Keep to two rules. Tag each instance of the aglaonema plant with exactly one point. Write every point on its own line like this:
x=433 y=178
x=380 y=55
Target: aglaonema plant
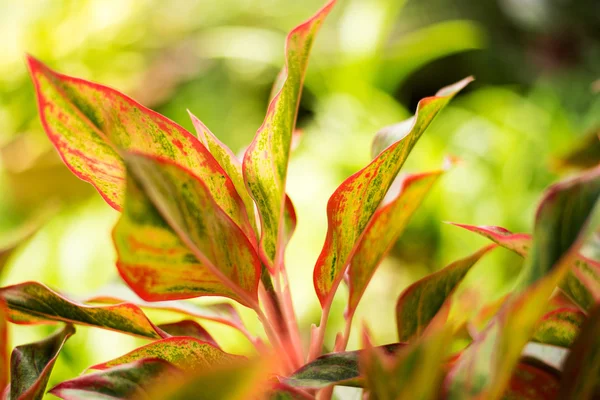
x=197 y=221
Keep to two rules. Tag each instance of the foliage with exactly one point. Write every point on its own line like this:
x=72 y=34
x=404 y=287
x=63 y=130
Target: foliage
x=197 y=221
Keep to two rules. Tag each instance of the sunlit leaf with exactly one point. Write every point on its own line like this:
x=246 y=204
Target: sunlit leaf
x=581 y=371
x=187 y=353
x=566 y=216
x=383 y=230
x=31 y=365
x=34 y=303
x=333 y=369
x=189 y=328
x=129 y=381
x=582 y=283
x=355 y=201
x=266 y=160
x=88 y=122
x=421 y=301
x=173 y=241
x=559 y=327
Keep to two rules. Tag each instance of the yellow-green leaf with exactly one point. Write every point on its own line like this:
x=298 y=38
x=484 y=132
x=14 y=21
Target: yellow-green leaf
x=174 y=241
x=354 y=202
x=188 y=328
x=559 y=327
x=189 y=354
x=266 y=160
x=383 y=230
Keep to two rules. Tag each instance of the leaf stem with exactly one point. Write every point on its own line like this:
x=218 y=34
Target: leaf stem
x=275 y=341
x=343 y=342
x=291 y=323
x=318 y=334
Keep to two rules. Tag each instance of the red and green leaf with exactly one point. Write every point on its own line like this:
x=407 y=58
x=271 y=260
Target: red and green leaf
x=581 y=370
x=533 y=380
x=582 y=283
x=188 y=328
x=384 y=228
x=333 y=369
x=187 y=353
x=4 y=350
x=34 y=303
x=559 y=327
x=89 y=123
x=173 y=241
x=567 y=215
x=421 y=301
x=130 y=381
x=266 y=160
x=354 y=202
x=31 y=365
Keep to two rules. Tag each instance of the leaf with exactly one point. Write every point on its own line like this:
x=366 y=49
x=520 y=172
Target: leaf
x=34 y=303
x=559 y=327
x=189 y=328
x=566 y=216
x=333 y=369
x=88 y=122
x=414 y=372
x=129 y=381
x=582 y=283
x=581 y=370
x=4 y=357
x=173 y=241
x=585 y=153
x=420 y=302
x=383 y=230
x=532 y=380
x=31 y=365
x=186 y=353
x=353 y=203
x=223 y=313
x=266 y=160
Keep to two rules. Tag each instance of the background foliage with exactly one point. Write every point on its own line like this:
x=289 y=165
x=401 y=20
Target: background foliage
x=536 y=96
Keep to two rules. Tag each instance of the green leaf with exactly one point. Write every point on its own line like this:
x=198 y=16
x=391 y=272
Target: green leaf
x=582 y=283
x=355 y=201
x=266 y=160
x=31 y=365
x=34 y=303
x=414 y=372
x=585 y=153
x=420 y=302
x=223 y=313
x=383 y=230
x=333 y=369
x=189 y=328
x=88 y=123
x=567 y=215
x=581 y=370
x=129 y=381
x=187 y=353
x=559 y=327
x=174 y=241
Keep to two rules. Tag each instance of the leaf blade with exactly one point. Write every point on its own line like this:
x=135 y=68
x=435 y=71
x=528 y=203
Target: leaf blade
x=266 y=160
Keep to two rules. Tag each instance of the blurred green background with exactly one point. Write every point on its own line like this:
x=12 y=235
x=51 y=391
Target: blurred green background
x=536 y=97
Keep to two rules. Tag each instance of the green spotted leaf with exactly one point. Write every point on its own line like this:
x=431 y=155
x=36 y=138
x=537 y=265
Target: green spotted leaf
x=383 y=230
x=266 y=160
x=566 y=216
x=34 y=303
x=582 y=283
x=187 y=353
x=188 y=328
x=559 y=327
x=174 y=241
x=129 y=381
x=89 y=123
x=31 y=365
x=354 y=202
x=420 y=302
x=581 y=370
